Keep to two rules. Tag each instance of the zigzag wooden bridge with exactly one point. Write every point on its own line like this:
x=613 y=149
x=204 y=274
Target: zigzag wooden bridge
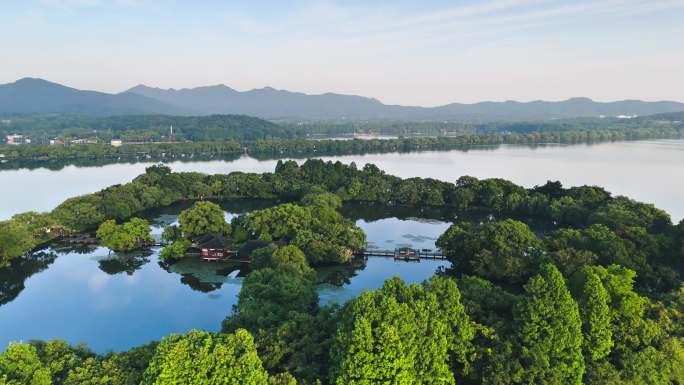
x=402 y=254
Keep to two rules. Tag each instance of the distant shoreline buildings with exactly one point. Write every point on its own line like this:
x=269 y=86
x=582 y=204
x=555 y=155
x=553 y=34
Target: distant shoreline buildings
x=16 y=139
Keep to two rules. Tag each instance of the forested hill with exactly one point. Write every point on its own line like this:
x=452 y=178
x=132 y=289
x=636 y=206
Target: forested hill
x=40 y=96
x=144 y=127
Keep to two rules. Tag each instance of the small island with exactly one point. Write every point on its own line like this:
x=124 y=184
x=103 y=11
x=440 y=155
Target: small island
x=546 y=284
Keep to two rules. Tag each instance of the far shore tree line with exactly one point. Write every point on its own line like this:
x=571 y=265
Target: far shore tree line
x=32 y=156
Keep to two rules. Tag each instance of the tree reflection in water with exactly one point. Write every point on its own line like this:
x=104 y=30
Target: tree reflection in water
x=206 y=276
x=13 y=277
x=125 y=262
x=340 y=275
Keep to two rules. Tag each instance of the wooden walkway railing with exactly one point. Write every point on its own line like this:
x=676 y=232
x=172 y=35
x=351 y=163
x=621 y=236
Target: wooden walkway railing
x=414 y=256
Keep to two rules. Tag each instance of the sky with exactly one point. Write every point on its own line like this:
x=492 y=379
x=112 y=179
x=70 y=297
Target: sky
x=428 y=52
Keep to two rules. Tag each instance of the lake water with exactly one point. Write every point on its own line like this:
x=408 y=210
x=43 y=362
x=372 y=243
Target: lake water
x=649 y=171
x=114 y=302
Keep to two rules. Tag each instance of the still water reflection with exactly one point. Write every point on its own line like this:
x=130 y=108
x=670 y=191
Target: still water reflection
x=114 y=302
x=648 y=171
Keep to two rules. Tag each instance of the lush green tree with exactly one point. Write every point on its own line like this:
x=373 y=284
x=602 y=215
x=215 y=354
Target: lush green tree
x=300 y=344
x=488 y=305
x=625 y=212
x=460 y=332
x=593 y=300
x=322 y=200
x=370 y=349
x=401 y=335
x=496 y=357
x=125 y=237
x=627 y=308
x=571 y=260
x=130 y=365
x=176 y=250
x=203 y=218
x=15 y=240
x=39 y=224
x=171 y=234
x=268 y=296
x=503 y=251
x=20 y=365
x=321 y=232
x=549 y=331
x=282 y=379
x=261 y=257
x=203 y=358
x=287 y=258
x=61 y=358
x=95 y=372
x=80 y=213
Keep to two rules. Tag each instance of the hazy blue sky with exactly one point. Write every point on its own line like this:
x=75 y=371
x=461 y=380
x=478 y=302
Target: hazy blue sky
x=408 y=52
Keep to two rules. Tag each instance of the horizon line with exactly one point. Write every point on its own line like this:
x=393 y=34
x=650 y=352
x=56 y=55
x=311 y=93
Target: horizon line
x=267 y=87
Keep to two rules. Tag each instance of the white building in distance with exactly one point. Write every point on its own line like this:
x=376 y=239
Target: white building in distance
x=16 y=139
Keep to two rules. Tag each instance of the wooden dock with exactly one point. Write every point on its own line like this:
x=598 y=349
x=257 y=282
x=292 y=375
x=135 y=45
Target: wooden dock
x=402 y=254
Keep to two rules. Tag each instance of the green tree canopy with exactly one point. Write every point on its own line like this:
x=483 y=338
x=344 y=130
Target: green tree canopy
x=593 y=300
x=176 y=250
x=203 y=218
x=15 y=240
x=503 y=251
x=267 y=297
x=288 y=258
x=320 y=231
x=20 y=365
x=549 y=329
x=125 y=237
x=201 y=358
x=171 y=233
x=401 y=335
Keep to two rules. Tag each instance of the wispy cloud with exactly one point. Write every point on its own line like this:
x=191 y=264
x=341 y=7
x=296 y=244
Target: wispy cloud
x=394 y=50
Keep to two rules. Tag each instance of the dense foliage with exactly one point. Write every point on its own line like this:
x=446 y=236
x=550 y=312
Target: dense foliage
x=549 y=285
x=589 y=224
x=143 y=127
x=128 y=236
x=201 y=358
x=278 y=303
x=402 y=335
x=15 y=240
x=203 y=218
x=549 y=331
x=316 y=227
x=55 y=362
x=175 y=250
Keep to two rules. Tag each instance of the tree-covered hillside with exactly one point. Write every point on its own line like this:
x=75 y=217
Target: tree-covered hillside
x=143 y=128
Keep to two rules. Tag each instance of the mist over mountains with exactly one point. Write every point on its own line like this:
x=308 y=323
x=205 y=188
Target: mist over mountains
x=30 y=95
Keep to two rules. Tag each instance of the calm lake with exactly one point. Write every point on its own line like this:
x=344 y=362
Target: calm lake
x=113 y=302
x=649 y=171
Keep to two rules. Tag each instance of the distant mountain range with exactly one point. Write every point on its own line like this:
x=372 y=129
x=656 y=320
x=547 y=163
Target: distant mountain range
x=31 y=95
